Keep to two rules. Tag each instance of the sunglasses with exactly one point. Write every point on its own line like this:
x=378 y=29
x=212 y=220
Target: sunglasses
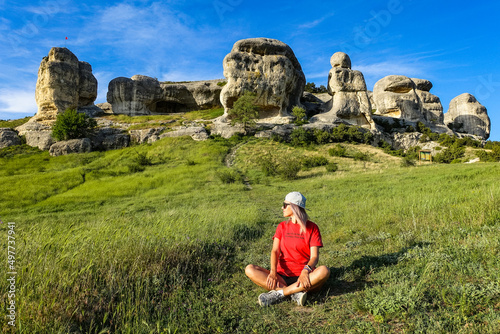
x=285 y=205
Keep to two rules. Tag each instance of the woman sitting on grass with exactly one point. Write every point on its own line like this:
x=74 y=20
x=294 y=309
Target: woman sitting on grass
x=293 y=258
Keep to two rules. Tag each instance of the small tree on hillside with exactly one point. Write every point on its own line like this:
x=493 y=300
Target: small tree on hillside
x=244 y=111
x=300 y=115
x=72 y=125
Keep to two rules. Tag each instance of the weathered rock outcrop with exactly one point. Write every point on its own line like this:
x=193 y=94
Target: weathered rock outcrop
x=398 y=96
x=36 y=134
x=268 y=68
x=395 y=96
x=70 y=146
x=467 y=115
x=143 y=95
x=8 y=137
x=63 y=82
x=350 y=102
x=431 y=106
x=196 y=132
x=143 y=136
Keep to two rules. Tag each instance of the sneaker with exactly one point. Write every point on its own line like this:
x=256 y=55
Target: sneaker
x=270 y=298
x=300 y=298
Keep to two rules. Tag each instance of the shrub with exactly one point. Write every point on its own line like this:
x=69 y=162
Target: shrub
x=268 y=165
x=301 y=137
x=407 y=162
x=322 y=136
x=142 y=159
x=244 y=111
x=338 y=151
x=453 y=153
x=310 y=162
x=360 y=156
x=300 y=115
x=228 y=176
x=72 y=125
x=332 y=167
x=289 y=169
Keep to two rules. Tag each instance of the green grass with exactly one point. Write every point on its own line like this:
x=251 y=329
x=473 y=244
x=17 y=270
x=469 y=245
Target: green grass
x=160 y=247
x=14 y=123
x=167 y=121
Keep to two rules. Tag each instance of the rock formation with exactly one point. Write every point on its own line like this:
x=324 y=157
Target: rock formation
x=70 y=146
x=268 y=68
x=143 y=95
x=395 y=96
x=8 y=137
x=398 y=96
x=350 y=102
x=467 y=115
x=63 y=82
x=431 y=106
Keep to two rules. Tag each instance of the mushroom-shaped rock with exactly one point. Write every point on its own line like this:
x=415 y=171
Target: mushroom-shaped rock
x=431 y=106
x=467 y=115
x=268 y=68
x=350 y=102
x=395 y=96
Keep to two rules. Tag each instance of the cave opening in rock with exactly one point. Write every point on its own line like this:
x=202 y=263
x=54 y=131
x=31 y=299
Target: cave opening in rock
x=168 y=107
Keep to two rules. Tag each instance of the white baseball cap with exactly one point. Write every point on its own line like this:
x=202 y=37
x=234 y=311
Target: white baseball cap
x=296 y=198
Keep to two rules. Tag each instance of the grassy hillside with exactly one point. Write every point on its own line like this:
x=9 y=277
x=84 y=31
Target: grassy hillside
x=152 y=239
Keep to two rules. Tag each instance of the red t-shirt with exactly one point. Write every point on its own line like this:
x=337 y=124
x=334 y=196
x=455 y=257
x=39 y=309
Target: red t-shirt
x=295 y=247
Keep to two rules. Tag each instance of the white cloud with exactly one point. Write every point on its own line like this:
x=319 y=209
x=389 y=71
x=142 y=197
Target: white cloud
x=18 y=101
x=312 y=24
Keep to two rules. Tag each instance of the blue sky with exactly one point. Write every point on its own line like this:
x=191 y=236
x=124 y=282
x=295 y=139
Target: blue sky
x=454 y=44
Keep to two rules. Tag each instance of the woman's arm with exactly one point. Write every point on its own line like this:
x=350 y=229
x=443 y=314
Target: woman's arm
x=313 y=261
x=272 y=278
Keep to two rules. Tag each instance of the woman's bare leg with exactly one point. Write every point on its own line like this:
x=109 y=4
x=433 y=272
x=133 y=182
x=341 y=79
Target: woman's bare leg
x=318 y=277
x=258 y=275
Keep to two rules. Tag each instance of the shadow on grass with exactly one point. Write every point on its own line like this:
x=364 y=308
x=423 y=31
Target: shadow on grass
x=359 y=273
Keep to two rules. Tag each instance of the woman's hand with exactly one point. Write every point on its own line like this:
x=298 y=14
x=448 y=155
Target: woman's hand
x=272 y=281
x=303 y=280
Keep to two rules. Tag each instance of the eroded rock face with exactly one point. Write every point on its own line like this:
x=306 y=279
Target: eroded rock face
x=467 y=115
x=8 y=137
x=268 y=68
x=70 y=146
x=431 y=106
x=63 y=82
x=133 y=96
x=350 y=102
x=143 y=95
x=395 y=96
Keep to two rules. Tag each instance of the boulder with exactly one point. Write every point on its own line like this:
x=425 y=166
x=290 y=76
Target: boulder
x=9 y=137
x=431 y=106
x=268 y=68
x=146 y=135
x=196 y=132
x=104 y=139
x=467 y=115
x=142 y=95
x=70 y=146
x=36 y=134
x=133 y=96
x=350 y=102
x=395 y=96
x=63 y=82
